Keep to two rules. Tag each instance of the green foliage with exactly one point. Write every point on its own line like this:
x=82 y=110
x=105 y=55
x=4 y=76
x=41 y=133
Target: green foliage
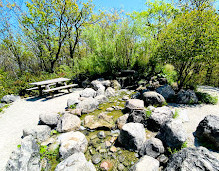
x=19 y=146
x=51 y=155
x=169 y=73
x=54 y=132
x=148 y=113
x=206 y=98
x=73 y=106
x=176 y=114
x=175 y=150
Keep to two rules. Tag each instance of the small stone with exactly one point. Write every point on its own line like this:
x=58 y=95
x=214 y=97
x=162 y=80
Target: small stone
x=136 y=155
x=106 y=165
x=101 y=134
x=125 y=98
x=113 y=156
x=120 y=167
x=102 y=151
x=162 y=159
x=104 y=155
x=108 y=144
x=119 y=152
x=92 y=151
x=113 y=149
x=102 y=145
x=113 y=139
x=96 y=158
x=76 y=111
x=126 y=163
x=110 y=109
x=93 y=137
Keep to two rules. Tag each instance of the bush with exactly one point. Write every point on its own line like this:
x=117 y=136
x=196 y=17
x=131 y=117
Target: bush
x=206 y=98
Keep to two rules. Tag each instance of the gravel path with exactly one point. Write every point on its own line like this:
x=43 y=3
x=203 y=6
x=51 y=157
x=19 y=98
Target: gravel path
x=196 y=113
x=25 y=114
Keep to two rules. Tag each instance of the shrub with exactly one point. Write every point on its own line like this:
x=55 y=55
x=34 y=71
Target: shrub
x=206 y=98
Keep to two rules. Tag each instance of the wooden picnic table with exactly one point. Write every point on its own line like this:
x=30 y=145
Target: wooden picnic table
x=44 y=86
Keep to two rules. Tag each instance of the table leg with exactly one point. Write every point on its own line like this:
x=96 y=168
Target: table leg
x=40 y=90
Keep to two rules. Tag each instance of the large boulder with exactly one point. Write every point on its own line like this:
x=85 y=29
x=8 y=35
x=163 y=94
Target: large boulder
x=167 y=92
x=186 y=97
x=68 y=123
x=146 y=163
x=72 y=101
x=101 y=121
x=153 y=98
x=158 y=117
x=122 y=120
x=50 y=119
x=88 y=92
x=208 y=130
x=72 y=142
x=101 y=99
x=76 y=162
x=100 y=89
x=132 y=136
x=10 y=98
x=88 y=105
x=134 y=104
x=152 y=147
x=27 y=157
x=138 y=116
x=110 y=92
x=172 y=134
x=197 y=159
x=40 y=132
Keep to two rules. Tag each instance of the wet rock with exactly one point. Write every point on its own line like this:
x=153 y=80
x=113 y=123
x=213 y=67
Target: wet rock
x=134 y=104
x=88 y=105
x=132 y=136
x=137 y=116
x=167 y=92
x=40 y=132
x=88 y=92
x=101 y=99
x=146 y=163
x=50 y=119
x=96 y=158
x=122 y=121
x=152 y=147
x=101 y=135
x=110 y=92
x=198 y=159
x=71 y=143
x=208 y=130
x=158 y=117
x=68 y=122
x=153 y=98
x=26 y=157
x=77 y=161
x=100 y=121
x=186 y=97
x=10 y=98
x=172 y=134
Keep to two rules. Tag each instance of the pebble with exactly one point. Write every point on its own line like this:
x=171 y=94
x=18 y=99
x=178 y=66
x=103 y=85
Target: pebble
x=113 y=149
x=108 y=144
x=96 y=158
x=110 y=109
x=120 y=167
x=106 y=165
x=121 y=158
x=101 y=134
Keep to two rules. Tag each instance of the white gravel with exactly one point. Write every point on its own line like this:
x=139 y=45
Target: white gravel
x=25 y=114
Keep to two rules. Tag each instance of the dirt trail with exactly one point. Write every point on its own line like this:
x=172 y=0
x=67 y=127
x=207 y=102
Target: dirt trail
x=25 y=114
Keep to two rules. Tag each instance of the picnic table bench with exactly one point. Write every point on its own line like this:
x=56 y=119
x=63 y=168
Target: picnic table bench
x=44 y=86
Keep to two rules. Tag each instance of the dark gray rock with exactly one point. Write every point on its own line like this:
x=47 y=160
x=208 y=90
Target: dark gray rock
x=208 y=130
x=167 y=92
x=186 y=97
x=152 y=147
x=40 y=132
x=50 y=119
x=172 y=134
x=132 y=136
x=136 y=95
x=96 y=158
x=88 y=105
x=88 y=92
x=137 y=116
x=158 y=117
x=197 y=159
x=146 y=163
x=10 y=98
x=75 y=162
x=27 y=157
x=153 y=98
